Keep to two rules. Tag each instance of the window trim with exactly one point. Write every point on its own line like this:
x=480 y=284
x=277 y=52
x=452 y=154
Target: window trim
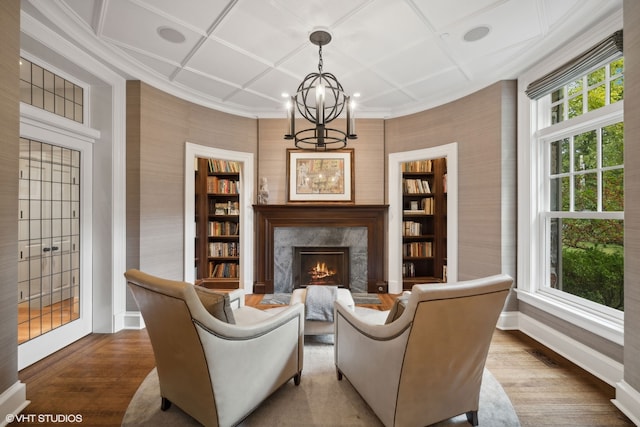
x=531 y=167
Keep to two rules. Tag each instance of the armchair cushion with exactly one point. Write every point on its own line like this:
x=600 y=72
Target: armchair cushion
x=217 y=304
x=398 y=308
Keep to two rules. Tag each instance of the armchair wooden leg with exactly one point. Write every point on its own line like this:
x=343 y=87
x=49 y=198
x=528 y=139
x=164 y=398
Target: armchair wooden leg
x=296 y=378
x=472 y=417
x=165 y=404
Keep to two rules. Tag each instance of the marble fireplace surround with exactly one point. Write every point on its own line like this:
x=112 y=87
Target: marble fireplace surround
x=356 y=223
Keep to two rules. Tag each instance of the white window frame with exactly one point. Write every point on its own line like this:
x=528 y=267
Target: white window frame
x=532 y=173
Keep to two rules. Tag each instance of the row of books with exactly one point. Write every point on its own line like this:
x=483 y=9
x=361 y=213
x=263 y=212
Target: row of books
x=408 y=269
x=223 y=249
x=226 y=228
x=217 y=165
x=417 y=249
x=415 y=186
x=411 y=228
x=223 y=269
x=224 y=208
x=418 y=166
x=425 y=206
x=217 y=185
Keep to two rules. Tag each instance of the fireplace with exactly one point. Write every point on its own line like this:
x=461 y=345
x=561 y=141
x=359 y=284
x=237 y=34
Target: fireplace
x=315 y=218
x=327 y=266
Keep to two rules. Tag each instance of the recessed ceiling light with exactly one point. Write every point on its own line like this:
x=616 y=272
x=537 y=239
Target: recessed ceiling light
x=476 y=33
x=171 y=34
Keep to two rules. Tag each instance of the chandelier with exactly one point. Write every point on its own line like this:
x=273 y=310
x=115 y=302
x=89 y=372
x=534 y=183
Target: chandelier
x=320 y=99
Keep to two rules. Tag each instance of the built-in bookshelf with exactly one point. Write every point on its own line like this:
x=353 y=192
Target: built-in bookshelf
x=217 y=223
x=424 y=222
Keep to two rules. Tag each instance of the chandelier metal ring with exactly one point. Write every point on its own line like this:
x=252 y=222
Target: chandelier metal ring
x=320 y=99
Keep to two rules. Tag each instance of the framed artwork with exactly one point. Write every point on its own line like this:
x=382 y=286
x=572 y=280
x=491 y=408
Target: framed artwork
x=320 y=176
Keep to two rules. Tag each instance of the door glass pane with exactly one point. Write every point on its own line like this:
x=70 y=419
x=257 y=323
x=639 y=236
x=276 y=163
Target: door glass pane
x=48 y=238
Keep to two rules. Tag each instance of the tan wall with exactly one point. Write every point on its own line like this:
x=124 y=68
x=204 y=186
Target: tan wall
x=156 y=166
x=369 y=171
x=9 y=137
x=483 y=125
x=632 y=193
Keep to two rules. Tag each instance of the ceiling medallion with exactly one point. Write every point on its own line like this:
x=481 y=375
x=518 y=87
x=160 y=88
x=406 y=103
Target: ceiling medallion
x=320 y=99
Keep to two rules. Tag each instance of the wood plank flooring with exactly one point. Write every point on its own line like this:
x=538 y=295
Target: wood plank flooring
x=97 y=376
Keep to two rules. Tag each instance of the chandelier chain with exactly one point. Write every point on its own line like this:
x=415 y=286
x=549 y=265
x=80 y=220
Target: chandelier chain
x=320 y=59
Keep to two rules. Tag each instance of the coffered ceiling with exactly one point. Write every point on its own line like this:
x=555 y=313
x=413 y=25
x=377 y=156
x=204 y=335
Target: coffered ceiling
x=239 y=56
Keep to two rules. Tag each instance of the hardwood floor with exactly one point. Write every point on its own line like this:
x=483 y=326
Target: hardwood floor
x=97 y=376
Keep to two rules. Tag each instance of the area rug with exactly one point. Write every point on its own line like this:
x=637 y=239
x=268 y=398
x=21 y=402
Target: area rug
x=365 y=298
x=276 y=299
x=319 y=400
x=284 y=298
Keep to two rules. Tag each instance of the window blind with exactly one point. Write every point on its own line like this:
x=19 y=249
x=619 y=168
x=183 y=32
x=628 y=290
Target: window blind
x=605 y=51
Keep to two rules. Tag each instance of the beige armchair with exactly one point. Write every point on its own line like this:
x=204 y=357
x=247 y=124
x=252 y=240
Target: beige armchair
x=215 y=363
x=426 y=364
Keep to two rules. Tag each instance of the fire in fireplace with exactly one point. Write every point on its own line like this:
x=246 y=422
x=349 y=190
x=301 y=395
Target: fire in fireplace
x=320 y=266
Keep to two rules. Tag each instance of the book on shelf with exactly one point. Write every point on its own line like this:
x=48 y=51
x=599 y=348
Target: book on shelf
x=411 y=228
x=226 y=228
x=418 y=166
x=224 y=208
x=222 y=270
x=417 y=249
x=223 y=166
x=427 y=206
x=223 y=249
x=217 y=185
x=408 y=269
x=415 y=186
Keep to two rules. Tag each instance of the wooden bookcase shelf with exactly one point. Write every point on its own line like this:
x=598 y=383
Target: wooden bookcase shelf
x=217 y=220
x=424 y=222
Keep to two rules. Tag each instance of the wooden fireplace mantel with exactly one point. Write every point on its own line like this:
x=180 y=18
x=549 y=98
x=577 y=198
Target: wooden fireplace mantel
x=270 y=217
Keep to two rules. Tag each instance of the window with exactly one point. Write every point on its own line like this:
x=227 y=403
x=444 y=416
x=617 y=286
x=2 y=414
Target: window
x=43 y=89
x=580 y=136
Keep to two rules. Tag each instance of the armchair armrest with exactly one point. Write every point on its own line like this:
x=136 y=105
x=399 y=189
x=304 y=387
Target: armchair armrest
x=359 y=346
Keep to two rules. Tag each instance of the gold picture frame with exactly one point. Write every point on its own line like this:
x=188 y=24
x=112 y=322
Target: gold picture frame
x=320 y=176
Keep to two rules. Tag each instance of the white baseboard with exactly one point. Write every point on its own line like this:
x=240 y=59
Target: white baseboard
x=132 y=320
x=628 y=401
x=508 y=321
x=12 y=401
x=603 y=367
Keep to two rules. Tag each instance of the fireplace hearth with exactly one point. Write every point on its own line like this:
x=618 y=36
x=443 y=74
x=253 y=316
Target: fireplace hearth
x=328 y=266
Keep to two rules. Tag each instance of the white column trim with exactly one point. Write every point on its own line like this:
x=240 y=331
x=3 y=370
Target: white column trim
x=246 y=209
x=450 y=151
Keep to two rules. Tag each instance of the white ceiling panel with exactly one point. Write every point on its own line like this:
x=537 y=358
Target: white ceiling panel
x=441 y=14
x=275 y=83
x=129 y=25
x=156 y=65
x=258 y=27
x=401 y=55
x=259 y=103
x=318 y=13
x=504 y=33
x=84 y=9
x=196 y=14
x=427 y=58
x=217 y=59
x=379 y=30
x=206 y=85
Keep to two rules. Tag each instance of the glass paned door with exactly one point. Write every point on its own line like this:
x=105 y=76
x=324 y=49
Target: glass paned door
x=48 y=238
